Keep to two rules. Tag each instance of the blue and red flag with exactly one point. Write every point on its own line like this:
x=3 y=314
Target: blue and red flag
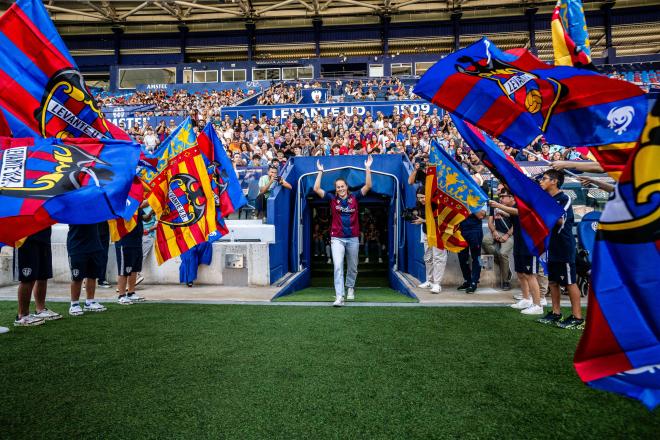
x=42 y=92
x=620 y=348
x=229 y=195
x=537 y=211
x=570 y=39
x=517 y=97
x=46 y=181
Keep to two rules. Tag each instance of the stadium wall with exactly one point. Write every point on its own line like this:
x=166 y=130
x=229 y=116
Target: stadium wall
x=97 y=53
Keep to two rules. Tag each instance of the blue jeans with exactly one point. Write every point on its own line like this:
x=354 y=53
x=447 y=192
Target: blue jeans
x=349 y=247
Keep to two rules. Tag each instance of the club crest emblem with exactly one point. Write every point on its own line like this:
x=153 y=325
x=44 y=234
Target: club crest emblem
x=539 y=96
x=186 y=202
x=27 y=271
x=68 y=109
x=75 y=272
x=62 y=168
x=129 y=269
x=316 y=95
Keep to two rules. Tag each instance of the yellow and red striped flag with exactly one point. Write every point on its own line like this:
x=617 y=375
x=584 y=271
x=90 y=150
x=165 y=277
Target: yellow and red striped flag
x=451 y=196
x=181 y=196
x=120 y=227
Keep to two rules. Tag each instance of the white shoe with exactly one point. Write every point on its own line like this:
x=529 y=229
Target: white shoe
x=518 y=296
x=135 y=298
x=435 y=288
x=366 y=260
x=76 y=310
x=94 y=307
x=522 y=304
x=124 y=301
x=350 y=294
x=425 y=285
x=380 y=260
x=3 y=330
x=329 y=260
x=28 y=321
x=338 y=302
x=532 y=310
x=139 y=279
x=48 y=315
x=544 y=302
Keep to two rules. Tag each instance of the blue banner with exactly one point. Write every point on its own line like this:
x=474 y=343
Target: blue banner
x=311 y=110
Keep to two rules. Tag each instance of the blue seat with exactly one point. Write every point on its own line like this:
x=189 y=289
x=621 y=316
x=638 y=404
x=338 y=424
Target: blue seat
x=586 y=231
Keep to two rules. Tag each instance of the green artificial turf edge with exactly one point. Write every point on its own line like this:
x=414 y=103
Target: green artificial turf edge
x=153 y=371
x=326 y=294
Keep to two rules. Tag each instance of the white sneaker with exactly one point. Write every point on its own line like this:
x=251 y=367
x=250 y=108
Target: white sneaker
x=329 y=260
x=124 y=301
x=139 y=279
x=532 y=310
x=76 y=310
x=425 y=285
x=28 y=321
x=380 y=260
x=3 y=330
x=350 y=294
x=135 y=298
x=48 y=315
x=338 y=302
x=518 y=296
x=522 y=304
x=544 y=302
x=94 y=307
x=435 y=288
x=366 y=260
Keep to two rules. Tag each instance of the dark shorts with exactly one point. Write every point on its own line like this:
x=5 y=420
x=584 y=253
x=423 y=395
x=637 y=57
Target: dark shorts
x=129 y=259
x=561 y=273
x=88 y=265
x=33 y=261
x=526 y=264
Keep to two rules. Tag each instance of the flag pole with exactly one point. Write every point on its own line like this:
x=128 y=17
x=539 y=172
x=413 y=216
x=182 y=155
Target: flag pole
x=547 y=162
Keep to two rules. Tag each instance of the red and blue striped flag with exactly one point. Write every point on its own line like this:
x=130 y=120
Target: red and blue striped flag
x=620 y=348
x=46 y=181
x=517 y=97
x=42 y=92
x=538 y=212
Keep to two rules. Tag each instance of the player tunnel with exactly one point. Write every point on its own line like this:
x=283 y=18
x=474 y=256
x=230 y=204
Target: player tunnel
x=298 y=260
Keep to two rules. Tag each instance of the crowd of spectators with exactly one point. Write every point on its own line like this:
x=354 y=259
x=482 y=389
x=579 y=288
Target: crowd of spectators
x=258 y=142
x=279 y=94
x=179 y=103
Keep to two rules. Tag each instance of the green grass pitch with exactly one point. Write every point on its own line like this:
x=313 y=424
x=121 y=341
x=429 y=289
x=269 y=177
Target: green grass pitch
x=156 y=371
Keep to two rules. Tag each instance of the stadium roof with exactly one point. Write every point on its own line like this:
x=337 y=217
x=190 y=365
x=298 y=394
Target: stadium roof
x=76 y=17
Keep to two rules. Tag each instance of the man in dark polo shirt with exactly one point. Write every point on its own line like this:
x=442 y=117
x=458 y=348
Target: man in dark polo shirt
x=83 y=244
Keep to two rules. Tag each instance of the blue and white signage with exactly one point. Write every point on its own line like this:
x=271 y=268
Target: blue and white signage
x=312 y=110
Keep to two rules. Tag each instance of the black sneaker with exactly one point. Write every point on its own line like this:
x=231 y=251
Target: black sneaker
x=506 y=286
x=471 y=288
x=571 y=323
x=550 y=318
x=464 y=286
x=104 y=284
